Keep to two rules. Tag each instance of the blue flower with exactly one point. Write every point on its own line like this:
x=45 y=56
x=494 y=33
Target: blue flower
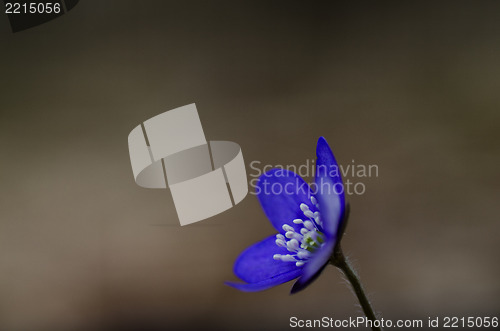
x=309 y=220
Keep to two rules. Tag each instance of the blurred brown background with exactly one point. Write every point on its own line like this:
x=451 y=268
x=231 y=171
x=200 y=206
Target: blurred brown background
x=413 y=88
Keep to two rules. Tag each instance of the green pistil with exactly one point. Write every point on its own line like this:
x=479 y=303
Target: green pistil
x=312 y=245
x=320 y=237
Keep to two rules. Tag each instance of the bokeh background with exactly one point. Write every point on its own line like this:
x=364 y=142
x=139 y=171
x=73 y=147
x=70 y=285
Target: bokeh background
x=410 y=87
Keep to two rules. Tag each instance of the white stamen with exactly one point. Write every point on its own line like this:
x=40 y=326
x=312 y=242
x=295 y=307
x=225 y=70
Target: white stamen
x=280 y=243
x=309 y=213
x=287 y=258
x=301 y=240
x=292 y=245
x=292 y=235
x=309 y=225
x=303 y=254
x=317 y=218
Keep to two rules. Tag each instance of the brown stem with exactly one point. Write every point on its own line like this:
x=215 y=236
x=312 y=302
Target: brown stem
x=338 y=259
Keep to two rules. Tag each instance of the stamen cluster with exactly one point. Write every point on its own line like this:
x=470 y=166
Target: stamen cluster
x=306 y=240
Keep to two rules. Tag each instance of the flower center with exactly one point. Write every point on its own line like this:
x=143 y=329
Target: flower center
x=302 y=243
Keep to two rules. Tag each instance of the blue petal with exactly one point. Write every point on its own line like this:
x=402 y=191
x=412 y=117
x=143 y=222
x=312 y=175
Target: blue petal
x=329 y=189
x=256 y=264
x=315 y=266
x=280 y=193
x=267 y=283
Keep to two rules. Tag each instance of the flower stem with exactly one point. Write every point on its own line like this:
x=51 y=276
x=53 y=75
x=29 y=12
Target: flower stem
x=339 y=260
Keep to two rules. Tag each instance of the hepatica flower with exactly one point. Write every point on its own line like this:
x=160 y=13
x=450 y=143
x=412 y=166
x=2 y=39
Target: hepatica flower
x=309 y=221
